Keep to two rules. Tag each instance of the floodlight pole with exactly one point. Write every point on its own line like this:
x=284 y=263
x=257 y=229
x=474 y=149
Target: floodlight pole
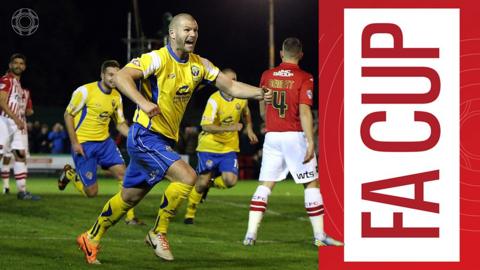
x=129 y=36
x=271 y=40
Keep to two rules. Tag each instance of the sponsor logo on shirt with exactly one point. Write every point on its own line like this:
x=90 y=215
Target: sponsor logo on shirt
x=283 y=73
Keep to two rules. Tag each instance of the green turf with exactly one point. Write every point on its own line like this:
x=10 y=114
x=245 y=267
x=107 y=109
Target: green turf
x=41 y=235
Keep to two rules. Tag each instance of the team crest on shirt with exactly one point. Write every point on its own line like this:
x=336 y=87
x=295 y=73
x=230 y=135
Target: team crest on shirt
x=2 y=85
x=209 y=163
x=237 y=106
x=309 y=94
x=168 y=148
x=195 y=71
x=89 y=175
x=113 y=103
x=171 y=76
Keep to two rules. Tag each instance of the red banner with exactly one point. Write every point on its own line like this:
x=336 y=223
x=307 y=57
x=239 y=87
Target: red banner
x=399 y=140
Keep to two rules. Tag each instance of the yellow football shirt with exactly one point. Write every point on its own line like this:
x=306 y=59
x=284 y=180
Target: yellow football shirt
x=92 y=109
x=170 y=82
x=221 y=112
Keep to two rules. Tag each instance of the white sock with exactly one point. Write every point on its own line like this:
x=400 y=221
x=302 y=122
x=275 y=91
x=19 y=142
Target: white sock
x=314 y=207
x=6 y=175
x=258 y=206
x=20 y=170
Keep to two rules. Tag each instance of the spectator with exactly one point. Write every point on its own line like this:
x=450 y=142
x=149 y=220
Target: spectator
x=41 y=140
x=57 y=138
x=246 y=158
x=32 y=136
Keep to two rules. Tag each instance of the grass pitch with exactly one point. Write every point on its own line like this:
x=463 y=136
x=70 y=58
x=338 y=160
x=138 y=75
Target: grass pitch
x=41 y=235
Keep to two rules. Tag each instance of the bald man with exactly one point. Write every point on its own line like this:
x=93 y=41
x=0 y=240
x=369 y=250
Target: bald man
x=168 y=78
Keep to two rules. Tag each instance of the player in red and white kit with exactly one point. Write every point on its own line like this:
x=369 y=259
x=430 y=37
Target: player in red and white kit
x=15 y=105
x=289 y=142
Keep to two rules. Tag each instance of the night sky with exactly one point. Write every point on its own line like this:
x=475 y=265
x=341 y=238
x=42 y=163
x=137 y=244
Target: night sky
x=75 y=37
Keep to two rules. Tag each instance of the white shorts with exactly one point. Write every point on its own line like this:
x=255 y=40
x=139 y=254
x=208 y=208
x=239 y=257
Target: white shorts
x=11 y=137
x=284 y=152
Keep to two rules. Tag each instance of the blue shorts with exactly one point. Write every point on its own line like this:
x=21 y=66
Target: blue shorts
x=217 y=163
x=103 y=153
x=151 y=155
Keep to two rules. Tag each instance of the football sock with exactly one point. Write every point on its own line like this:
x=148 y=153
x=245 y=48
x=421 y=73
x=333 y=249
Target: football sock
x=74 y=178
x=258 y=206
x=130 y=213
x=218 y=183
x=314 y=207
x=6 y=175
x=193 y=200
x=112 y=212
x=174 y=195
x=20 y=170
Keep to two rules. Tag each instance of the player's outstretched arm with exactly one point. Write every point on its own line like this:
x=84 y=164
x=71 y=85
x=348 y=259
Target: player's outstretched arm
x=125 y=83
x=307 y=125
x=241 y=90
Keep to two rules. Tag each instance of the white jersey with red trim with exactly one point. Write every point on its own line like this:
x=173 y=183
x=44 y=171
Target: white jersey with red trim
x=18 y=98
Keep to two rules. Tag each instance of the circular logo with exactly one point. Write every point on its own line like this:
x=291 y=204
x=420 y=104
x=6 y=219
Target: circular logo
x=25 y=22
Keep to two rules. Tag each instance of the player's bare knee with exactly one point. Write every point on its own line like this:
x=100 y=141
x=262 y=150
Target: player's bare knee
x=90 y=193
x=190 y=178
x=132 y=196
x=313 y=184
x=230 y=180
x=19 y=155
x=200 y=188
x=202 y=181
x=120 y=176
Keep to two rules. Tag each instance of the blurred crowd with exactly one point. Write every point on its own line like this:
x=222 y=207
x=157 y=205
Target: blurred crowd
x=44 y=139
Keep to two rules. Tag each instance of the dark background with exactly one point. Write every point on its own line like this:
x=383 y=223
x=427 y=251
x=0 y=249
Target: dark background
x=75 y=37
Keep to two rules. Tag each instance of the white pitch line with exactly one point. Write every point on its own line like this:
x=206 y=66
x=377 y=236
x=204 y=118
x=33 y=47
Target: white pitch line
x=244 y=206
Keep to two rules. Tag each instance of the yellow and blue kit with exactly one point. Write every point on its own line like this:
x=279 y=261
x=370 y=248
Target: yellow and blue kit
x=168 y=82
x=93 y=107
x=217 y=151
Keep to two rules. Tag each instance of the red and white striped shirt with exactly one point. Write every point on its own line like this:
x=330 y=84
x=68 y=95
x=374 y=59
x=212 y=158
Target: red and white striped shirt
x=18 y=98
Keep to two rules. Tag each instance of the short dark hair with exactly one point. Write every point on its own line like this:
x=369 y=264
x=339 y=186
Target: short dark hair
x=225 y=70
x=109 y=63
x=18 y=55
x=292 y=46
